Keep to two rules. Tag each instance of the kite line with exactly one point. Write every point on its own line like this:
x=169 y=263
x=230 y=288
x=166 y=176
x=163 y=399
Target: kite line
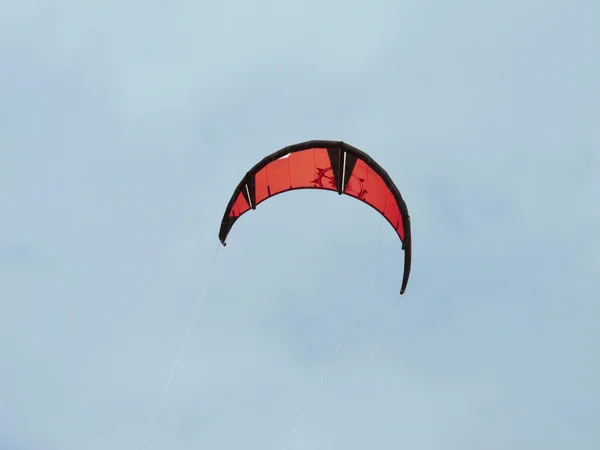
x=339 y=345
x=182 y=348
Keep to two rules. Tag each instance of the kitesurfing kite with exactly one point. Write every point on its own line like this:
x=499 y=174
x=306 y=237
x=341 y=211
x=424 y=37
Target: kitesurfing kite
x=327 y=165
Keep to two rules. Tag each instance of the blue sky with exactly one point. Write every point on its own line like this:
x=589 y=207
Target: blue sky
x=125 y=127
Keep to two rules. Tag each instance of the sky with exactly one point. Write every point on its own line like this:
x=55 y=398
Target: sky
x=126 y=125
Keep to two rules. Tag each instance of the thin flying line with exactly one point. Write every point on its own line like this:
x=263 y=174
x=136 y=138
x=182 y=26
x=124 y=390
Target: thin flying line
x=324 y=374
x=337 y=349
x=181 y=350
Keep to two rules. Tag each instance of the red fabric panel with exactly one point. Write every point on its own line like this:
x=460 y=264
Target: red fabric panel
x=311 y=168
x=239 y=207
x=304 y=169
x=366 y=185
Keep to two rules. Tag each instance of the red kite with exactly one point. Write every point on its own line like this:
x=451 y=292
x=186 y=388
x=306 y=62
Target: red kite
x=326 y=165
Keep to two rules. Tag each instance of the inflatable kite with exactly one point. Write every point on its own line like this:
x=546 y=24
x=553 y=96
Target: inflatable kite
x=326 y=165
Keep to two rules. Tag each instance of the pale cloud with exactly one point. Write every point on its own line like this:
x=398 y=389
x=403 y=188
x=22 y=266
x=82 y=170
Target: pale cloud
x=126 y=126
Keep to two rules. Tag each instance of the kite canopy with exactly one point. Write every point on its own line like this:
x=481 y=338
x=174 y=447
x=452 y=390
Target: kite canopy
x=327 y=165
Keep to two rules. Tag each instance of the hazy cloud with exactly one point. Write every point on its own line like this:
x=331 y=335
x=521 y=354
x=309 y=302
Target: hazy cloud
x=125 y=127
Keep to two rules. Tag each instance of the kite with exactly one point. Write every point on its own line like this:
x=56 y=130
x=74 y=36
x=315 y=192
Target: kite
x=327 y=165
